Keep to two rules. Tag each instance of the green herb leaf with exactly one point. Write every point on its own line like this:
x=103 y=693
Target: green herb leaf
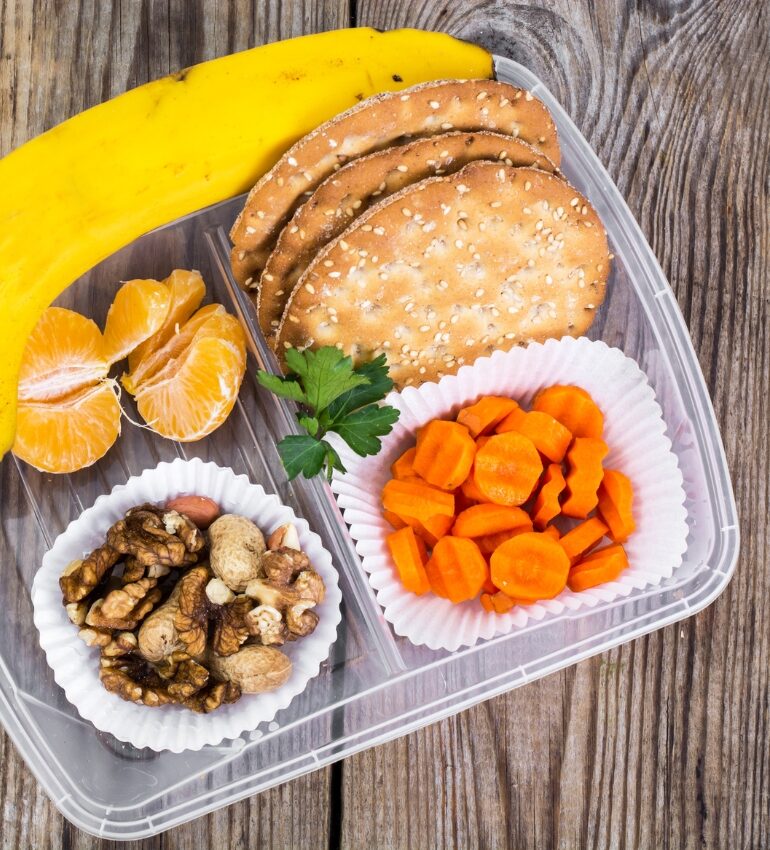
x=362 y=428
x=325 y=374
x=302 y=454
x=333 y=396
x=309 y=423
x=284 y=387
x=378 y=387
x=333 y=461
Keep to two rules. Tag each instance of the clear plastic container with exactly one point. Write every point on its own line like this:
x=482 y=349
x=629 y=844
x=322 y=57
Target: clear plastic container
x=375 y=686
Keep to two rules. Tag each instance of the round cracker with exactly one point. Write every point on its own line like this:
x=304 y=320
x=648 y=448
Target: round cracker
x=452 y=268
x=375 y=123
x=349 y=192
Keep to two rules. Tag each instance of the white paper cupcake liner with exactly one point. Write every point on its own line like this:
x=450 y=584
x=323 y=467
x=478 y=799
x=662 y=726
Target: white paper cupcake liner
x=634 y=431
x=76 y=666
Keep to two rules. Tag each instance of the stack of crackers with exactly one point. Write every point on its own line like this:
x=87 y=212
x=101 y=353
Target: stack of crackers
x=431 y=224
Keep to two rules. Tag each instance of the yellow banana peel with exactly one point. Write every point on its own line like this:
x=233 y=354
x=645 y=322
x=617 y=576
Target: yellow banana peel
x=76 y=194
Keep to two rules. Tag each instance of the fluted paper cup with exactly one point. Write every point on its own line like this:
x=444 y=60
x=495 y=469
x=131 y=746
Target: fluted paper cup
x=638 y=446
x=76 y=666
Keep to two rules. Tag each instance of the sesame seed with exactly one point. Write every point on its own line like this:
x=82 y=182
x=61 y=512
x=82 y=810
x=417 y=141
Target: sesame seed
x=293 y=228
x=293 y=318
x=268 y=277
x=504 y=102
x=527 y=211
x=357 y=204
x=443 y=154
x=479 y=293
x=481 y=95
x=527 y=185
x=328 y=263
x=510 y=335
x=260 y=214
x=530 y=262
x=454 y=319
x=251 y=230
x=406 y=211
x=496 y=204
x=458 y=243
x=280 y=292
x=421 y=370
x=334 y=274
x=434 y=104
x=528 y=96
x=584 y=210
x=539 y=224
x=548 y=279
x=461 y=224
x=279 y=181
x=292 y=161
x=334 y=319
x=344 y=245
x=402 y=168
x=441 y=325
x=409 y=306
x=424 y=328
x=379 y=231
x=447 y=126
x=366 y=228
x=404 y=97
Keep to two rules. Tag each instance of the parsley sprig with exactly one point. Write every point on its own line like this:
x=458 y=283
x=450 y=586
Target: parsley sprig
x=334 y=396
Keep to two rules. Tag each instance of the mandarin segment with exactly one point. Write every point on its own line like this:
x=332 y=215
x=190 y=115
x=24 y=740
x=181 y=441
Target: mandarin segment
x=187 y=290
x=64 y=353
x=192 y=400
x=71 y=433
x=138 y=311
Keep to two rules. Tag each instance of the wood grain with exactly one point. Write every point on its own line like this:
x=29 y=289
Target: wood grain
x=662 y=743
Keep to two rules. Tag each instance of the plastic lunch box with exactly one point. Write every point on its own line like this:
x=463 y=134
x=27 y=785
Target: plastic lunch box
x=375 y=686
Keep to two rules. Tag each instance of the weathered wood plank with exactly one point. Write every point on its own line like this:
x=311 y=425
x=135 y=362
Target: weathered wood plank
x=661 y=743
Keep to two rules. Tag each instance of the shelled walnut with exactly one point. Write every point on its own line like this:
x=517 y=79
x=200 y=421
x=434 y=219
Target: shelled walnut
x=164 y=601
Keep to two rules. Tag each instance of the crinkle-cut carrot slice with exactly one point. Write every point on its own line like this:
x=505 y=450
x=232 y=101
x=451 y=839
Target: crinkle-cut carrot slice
x=409 y=499
x=582 y=538
x=552 y=531
x=584 y=477
x=616 y=498
x=529 y=567
x=573 y=407
x=456 y=569
x=402 y=467
x=599 y=567
x=489 y=542
x=410 y=556
x=546 y=505
x=498 y=602
x=429 y=532
x=550 y=437
x=445 y=452
x=483 y=416
x=480 y=520
x=507 y=468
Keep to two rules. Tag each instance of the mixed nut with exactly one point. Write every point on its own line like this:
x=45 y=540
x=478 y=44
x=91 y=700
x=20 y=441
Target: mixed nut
x=190 y=607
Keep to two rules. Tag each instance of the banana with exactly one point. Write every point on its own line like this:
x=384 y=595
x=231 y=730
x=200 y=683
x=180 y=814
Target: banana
x=94 y=183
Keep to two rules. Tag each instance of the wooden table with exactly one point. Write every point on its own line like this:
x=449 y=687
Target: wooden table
x=664 y=742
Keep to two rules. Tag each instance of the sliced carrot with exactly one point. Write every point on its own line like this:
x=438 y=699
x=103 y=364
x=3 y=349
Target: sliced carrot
x=511 y=421
x=429 y=532
x=471 y=491
x=616 y=497
x=480 y=520
x=583 y=538
x=489 y=542
x=552 y=531
x=584 y=477
x=498 y=602
x=599 y=567
x=573 y=407
x=402 y=468
x=481 y=417
x=530 y=567
x=394 y=520
x=409 y=499
x=445 y=452
x=550 y=437
x=456 y=569
x=433 y=529
x=546 y=505
x=409 y=556
x=507 y=468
